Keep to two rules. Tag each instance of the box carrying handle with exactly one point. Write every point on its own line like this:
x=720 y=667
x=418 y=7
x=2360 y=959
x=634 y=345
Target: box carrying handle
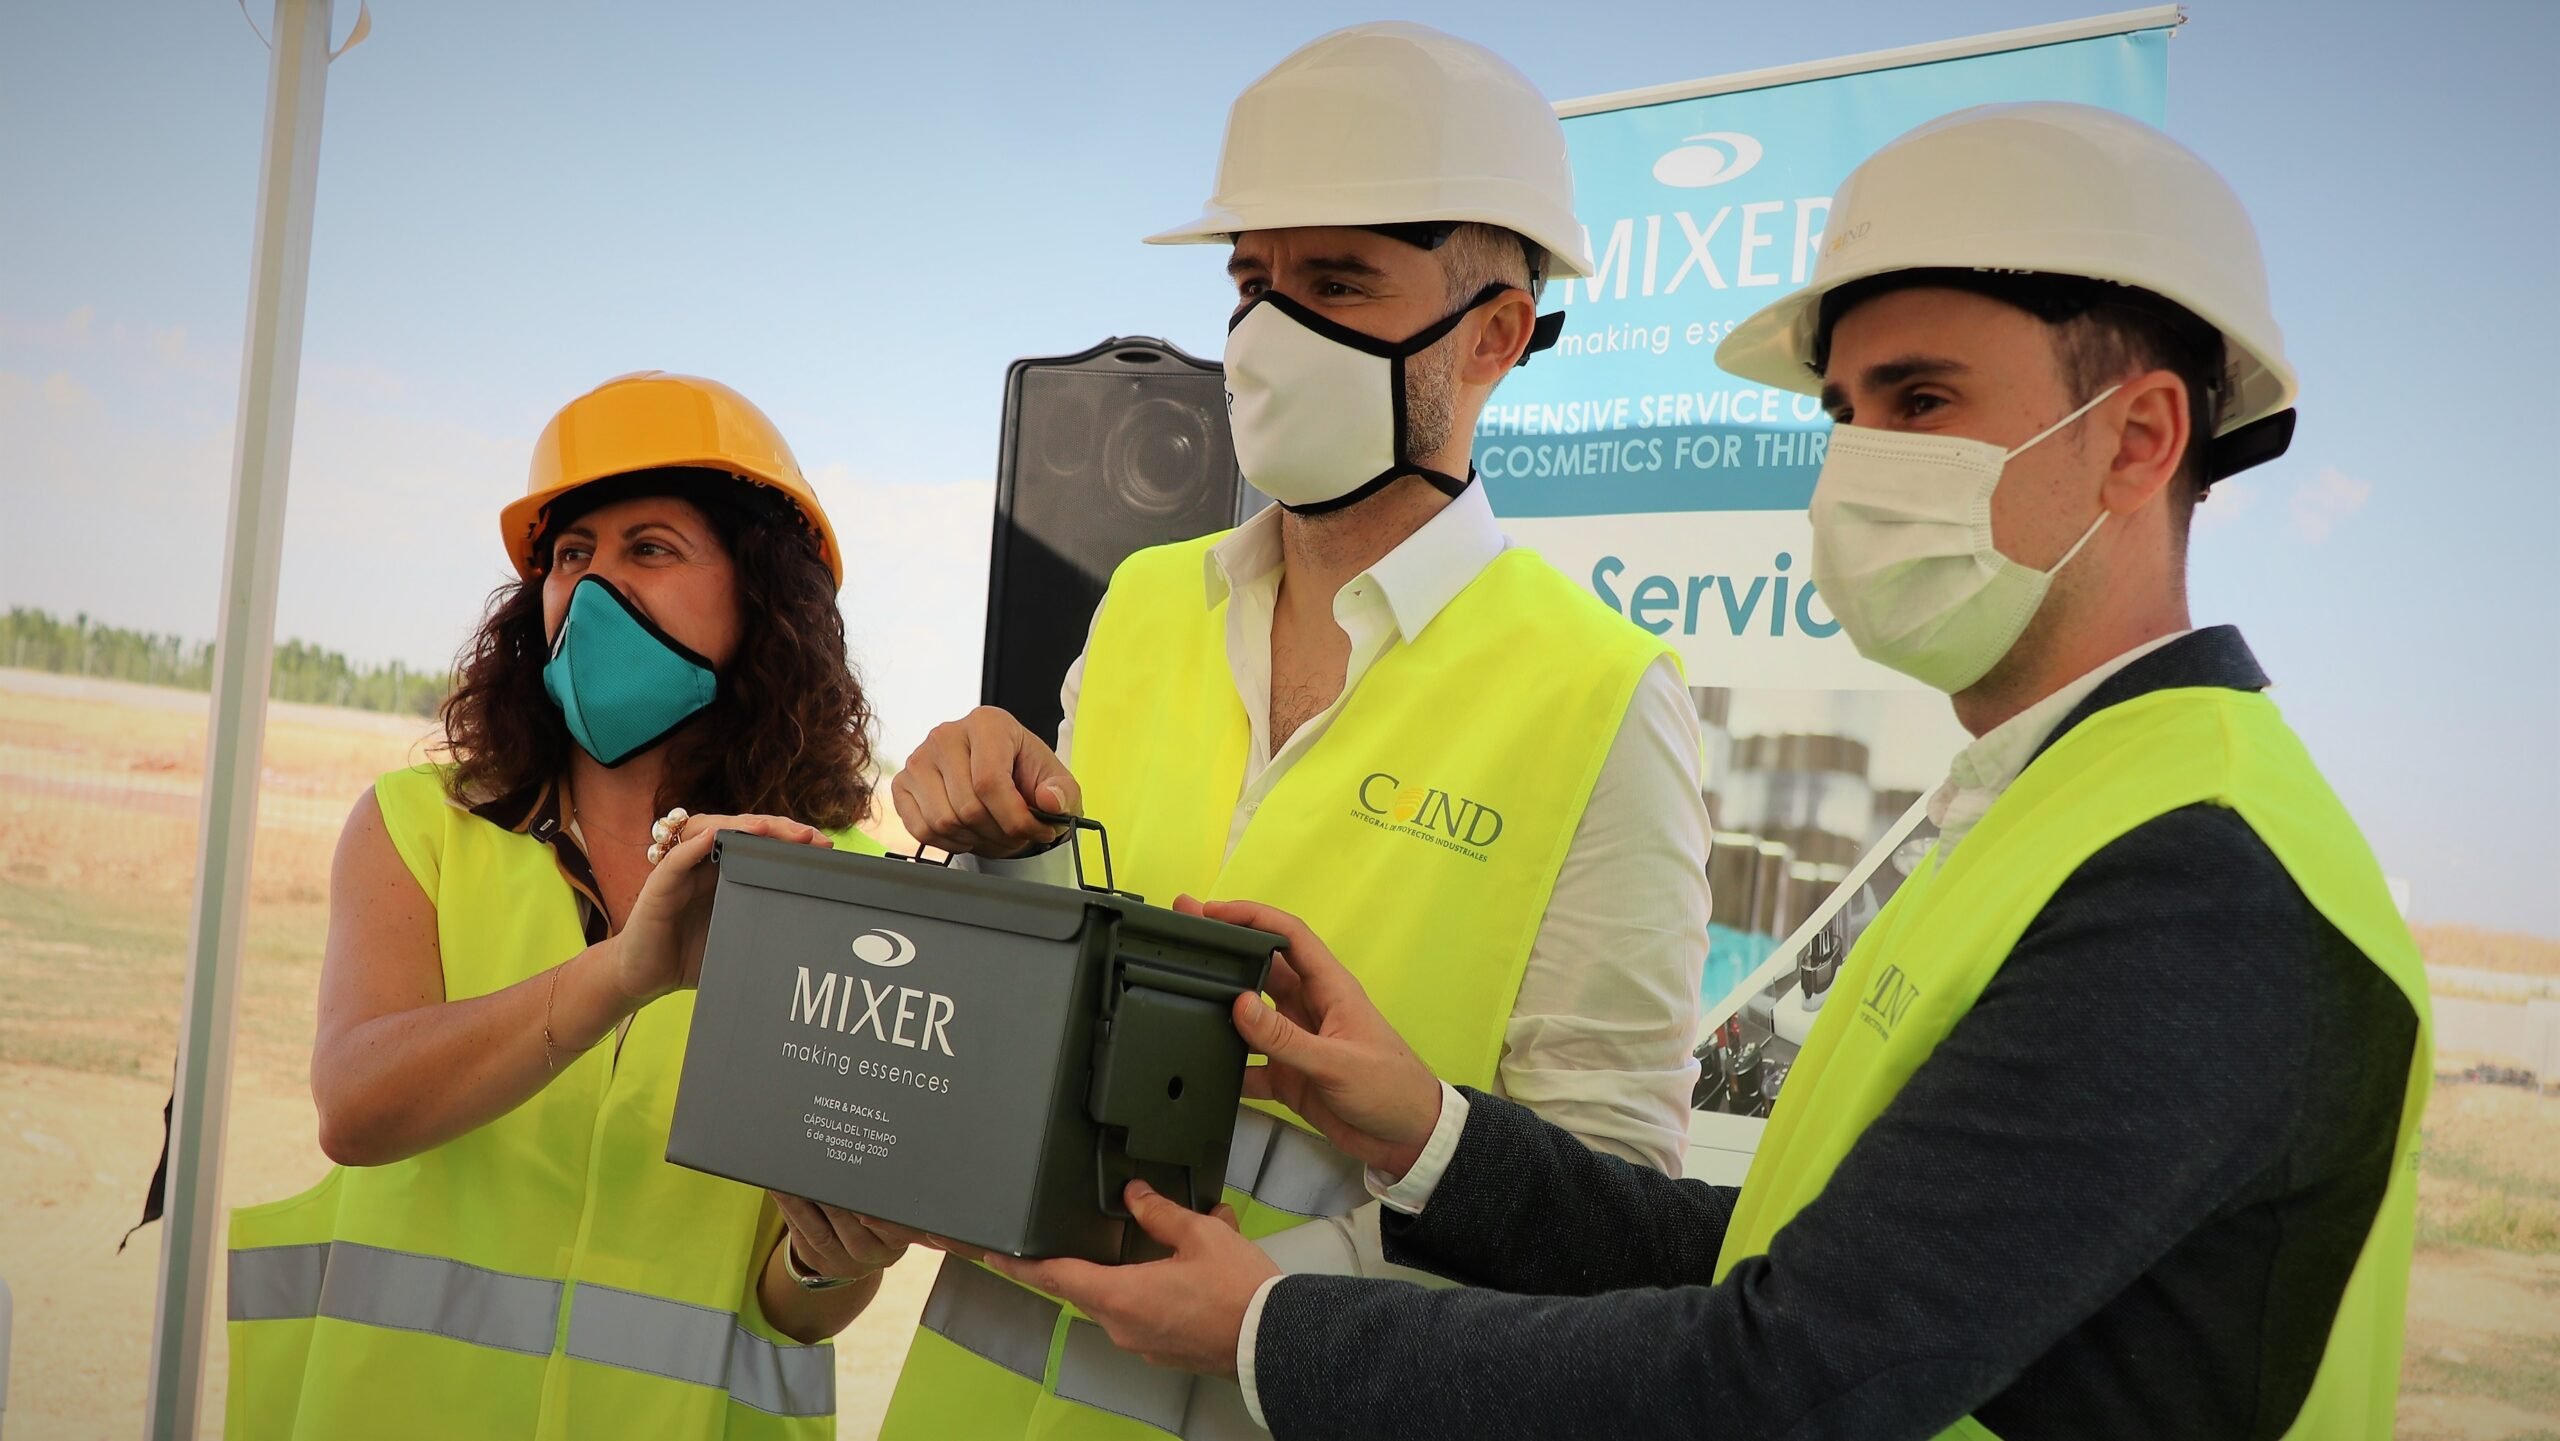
x=1075 y=849
x=1075 y=852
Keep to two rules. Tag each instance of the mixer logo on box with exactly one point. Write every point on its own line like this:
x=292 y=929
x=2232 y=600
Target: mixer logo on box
x=1428 y=813
x=894 y=1015
x=883 y=948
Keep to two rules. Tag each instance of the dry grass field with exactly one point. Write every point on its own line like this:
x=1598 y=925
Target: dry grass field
x=97 y=831
x=2475 y=949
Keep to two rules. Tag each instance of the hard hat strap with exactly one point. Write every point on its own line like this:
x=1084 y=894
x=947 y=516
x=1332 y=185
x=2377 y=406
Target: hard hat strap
x=1420 y=234
x=1432 y=234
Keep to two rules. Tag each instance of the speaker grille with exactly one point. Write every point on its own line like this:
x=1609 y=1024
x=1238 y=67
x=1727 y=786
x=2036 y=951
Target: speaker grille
x=1103 y=454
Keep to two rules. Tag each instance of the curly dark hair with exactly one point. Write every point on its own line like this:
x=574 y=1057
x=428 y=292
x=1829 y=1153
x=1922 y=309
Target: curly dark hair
x=790 y=730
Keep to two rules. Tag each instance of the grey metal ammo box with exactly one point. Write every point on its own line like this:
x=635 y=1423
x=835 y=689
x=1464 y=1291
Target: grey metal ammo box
x=984 y=1058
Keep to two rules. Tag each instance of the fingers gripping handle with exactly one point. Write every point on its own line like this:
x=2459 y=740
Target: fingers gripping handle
x=1075 y=849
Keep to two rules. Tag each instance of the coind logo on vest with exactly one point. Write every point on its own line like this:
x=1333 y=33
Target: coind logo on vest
x=826 y=1000
x=1888 y=1000
x=1452 y=822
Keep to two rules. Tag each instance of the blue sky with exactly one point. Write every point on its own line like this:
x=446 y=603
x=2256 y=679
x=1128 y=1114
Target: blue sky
x=858 y=215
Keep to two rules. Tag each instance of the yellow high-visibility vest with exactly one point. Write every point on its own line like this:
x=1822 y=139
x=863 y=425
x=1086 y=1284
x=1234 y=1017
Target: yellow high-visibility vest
x=1919 y=967
x=1421 y=835
x=547 y=1275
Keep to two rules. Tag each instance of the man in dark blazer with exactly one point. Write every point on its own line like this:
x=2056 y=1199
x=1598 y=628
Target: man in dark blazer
x=2111 y=1130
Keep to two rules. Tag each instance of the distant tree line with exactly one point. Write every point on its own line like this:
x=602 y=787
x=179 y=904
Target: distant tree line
x=37 y=640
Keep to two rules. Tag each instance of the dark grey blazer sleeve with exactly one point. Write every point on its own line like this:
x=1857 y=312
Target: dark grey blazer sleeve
x=1513 y=1175
x=2031 y=1171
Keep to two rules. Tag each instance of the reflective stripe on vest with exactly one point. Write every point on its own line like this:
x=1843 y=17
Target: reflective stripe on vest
x=983 y=1313
x=374 y=1287
x=1292 y=1170
x=1093 y=1372
x=1002 y=1323
x=1010 y=1326
x=370 y=1286
x=698 y=1344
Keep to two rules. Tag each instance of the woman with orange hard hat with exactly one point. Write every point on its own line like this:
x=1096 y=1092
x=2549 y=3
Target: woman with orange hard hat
x=502 y=1249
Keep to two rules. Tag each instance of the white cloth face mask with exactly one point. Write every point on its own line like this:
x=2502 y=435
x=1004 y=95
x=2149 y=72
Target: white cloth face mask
x=1317 y=408
x=1902 y=550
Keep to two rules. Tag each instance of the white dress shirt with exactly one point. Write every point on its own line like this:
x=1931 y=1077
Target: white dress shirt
x=1982 y=771
x=1599 y=1037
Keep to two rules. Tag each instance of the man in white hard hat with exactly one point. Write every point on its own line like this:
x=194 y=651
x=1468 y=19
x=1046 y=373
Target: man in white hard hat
x=1363 y=703
x=2114 y=1131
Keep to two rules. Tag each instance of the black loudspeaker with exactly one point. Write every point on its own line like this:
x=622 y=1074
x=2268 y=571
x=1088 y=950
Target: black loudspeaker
x=1104 y=453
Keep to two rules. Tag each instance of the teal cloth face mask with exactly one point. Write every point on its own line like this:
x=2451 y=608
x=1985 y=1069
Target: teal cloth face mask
x=620 y=682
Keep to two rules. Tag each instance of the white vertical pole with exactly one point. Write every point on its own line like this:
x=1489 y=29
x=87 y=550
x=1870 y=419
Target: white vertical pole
x=244 y=655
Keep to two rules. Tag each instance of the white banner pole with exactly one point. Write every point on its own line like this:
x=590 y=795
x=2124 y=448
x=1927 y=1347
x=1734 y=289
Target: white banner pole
x=244 y=655
x=2062 y=32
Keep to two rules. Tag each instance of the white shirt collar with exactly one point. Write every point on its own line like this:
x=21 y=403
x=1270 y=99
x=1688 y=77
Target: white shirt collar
x=1418 y=578
x=1986 y=768
x=1250 y=552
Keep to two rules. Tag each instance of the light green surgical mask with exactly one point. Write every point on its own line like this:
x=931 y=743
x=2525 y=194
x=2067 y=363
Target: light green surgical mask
x=1902 y=551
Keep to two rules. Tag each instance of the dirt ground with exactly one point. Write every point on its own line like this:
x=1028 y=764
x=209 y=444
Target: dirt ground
x=2482 y=1358
x=97 y=831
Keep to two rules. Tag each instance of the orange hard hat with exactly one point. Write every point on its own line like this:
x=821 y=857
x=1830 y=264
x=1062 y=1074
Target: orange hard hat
x=652 y=420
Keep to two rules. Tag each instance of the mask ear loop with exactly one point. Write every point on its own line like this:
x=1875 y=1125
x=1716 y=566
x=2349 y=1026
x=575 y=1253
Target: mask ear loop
x=2091 y=533
x=2043 y=435
x=2085 y=537
x=1441 y=481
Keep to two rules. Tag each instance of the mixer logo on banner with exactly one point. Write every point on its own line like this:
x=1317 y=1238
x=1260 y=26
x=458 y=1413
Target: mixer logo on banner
x=1677 y=494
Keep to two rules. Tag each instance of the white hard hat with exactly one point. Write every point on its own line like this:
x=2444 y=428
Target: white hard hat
x=1392 y=124
x=2042 y=189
